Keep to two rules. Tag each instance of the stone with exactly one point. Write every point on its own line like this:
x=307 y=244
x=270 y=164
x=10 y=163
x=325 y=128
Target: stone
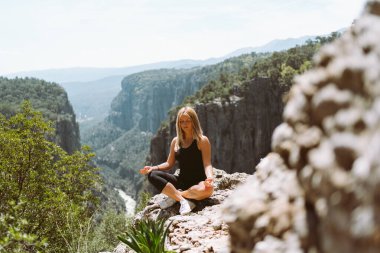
x=264 y=205
x=328 y=150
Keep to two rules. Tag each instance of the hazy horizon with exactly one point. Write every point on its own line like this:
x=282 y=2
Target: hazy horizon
x=59 y=34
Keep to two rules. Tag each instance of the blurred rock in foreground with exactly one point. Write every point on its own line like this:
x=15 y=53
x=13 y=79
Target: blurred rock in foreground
x=320 y=189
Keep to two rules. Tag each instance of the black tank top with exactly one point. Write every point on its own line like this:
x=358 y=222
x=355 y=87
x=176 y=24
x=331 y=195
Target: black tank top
x=191 y=165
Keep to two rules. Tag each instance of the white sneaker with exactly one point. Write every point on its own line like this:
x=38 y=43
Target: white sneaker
x=166 y=203
x=186 y=206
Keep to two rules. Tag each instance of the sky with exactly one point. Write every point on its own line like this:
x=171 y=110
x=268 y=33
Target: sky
x=45 y=34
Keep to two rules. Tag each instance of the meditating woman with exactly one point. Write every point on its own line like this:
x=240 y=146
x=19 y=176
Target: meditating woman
x=192 y=150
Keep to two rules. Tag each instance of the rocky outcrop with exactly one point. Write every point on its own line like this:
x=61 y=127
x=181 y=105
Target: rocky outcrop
x=330 y=143
x=267 y=213
x=203 y=230
x=67 y=128
x=239 y=129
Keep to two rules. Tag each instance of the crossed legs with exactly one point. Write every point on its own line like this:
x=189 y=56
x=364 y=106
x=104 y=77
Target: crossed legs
x=170 y=191
x=166 y=183
x=197 y=192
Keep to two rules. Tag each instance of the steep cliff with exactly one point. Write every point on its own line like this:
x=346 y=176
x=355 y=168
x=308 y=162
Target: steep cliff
x=67 y=129
x=50 y=99
x=146 y=97
x=239 y=128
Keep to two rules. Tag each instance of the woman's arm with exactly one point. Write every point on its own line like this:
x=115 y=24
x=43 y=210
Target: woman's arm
x=171 y=158
x=163 y=166
x=205 y=148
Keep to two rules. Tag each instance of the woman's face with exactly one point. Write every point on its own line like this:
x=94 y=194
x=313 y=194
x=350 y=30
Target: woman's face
x=185 y=123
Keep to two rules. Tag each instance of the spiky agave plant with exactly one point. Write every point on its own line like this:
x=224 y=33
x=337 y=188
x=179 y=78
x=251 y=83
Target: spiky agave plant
x=146 y=236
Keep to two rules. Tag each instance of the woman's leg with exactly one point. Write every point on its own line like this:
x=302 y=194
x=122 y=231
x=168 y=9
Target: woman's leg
x=198 y=192
x=165 y=183
x=170 y=191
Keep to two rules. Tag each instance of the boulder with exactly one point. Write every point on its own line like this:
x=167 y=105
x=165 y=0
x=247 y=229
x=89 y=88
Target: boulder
x=320 y=189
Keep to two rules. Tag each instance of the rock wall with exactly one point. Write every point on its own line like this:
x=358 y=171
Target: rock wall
x=146 y=97
x=330 y=140
x=239 y=129
x=67 y=129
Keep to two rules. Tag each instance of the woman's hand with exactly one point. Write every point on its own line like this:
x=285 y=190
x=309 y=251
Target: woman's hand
x=208 y=182
x=146 y=170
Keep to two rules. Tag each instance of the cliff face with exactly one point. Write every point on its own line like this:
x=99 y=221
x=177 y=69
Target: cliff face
x=239 y=129
x=67 y=129
x=146 y=97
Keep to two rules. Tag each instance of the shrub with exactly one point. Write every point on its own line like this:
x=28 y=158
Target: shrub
x=146 y=236
x=143 y=200
x=48 y=183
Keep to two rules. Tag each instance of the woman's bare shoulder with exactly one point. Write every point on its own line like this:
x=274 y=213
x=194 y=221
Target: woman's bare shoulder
x=174 y=141
x=204 y=141
x=204 y=138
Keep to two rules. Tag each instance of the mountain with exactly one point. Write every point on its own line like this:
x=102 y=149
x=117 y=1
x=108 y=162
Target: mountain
x=48 y=98
x=122 y=140
x=81 y=74
x=240 y=95
x=87 y=74
x=91 y=90
x=240 y=111
x=274 y=45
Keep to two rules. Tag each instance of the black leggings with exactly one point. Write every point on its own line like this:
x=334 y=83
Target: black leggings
x=160 y=178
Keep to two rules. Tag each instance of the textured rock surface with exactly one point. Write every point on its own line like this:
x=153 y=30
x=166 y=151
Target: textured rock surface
x=146 y=97
x=203 y=230
x=252 y=113
x=267 y=213
x=330 y=139
x=67 y=129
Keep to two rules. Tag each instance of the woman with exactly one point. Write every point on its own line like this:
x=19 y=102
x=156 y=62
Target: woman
x=193 y=151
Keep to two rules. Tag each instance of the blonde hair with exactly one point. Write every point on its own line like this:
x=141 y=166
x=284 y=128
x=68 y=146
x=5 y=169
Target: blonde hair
x=197 y=130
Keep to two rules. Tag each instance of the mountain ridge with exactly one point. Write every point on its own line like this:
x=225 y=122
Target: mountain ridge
x=96 y=73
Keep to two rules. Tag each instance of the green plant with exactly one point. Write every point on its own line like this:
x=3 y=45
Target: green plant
x=46 y=183
x=146 y=236
x=104 y=235
x=144 y=198
x=12 y=235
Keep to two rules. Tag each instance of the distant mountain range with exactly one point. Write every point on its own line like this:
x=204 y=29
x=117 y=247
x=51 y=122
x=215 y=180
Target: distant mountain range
x=83 y=74
x=91 y=90
x=274 y=45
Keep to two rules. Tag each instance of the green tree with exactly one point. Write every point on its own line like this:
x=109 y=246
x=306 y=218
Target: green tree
x=287 y=75
x=305 y=66
x=12 y=235
x=49 y=184
x=104 y=236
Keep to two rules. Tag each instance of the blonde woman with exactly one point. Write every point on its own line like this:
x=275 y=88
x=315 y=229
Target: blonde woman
x=192 y=150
